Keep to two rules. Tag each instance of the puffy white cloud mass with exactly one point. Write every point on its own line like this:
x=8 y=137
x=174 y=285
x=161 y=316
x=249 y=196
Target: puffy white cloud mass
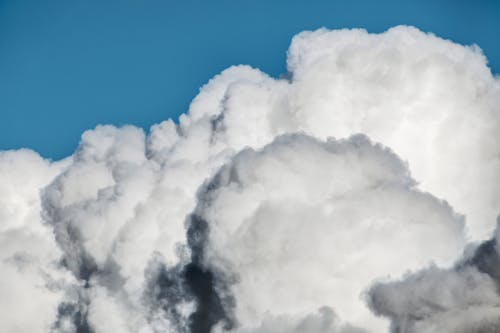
x=310 y=224
x=323 y=201
x=31 y=285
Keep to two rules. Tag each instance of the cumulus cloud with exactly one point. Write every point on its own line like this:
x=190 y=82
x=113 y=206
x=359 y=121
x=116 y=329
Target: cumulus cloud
x=310 y=224
x=464 y=298
x=226 y=221
x=31 y=283
x=324 y=320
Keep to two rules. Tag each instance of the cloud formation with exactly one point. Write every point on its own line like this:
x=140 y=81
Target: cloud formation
x=231 y=221
x=310 y=224
x=460 y=299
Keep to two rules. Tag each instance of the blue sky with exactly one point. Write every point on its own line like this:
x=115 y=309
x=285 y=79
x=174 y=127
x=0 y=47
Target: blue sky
x=68 y=65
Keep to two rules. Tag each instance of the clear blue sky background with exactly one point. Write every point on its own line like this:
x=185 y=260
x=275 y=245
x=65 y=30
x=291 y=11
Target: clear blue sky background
x=68 y=65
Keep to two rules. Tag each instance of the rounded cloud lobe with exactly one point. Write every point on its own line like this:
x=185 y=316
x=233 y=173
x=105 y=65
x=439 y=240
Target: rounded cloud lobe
x=310 y=224
x=324 y=201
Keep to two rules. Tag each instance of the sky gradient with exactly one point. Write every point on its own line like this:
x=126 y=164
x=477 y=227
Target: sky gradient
x=66 y=66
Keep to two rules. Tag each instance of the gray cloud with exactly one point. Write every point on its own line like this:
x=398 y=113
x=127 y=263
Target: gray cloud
x=464 y=298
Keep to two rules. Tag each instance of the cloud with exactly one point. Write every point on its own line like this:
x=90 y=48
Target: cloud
x=108 y=239
x=323 y=321
x=31 y=284
x=463 y=298
x=310 y=224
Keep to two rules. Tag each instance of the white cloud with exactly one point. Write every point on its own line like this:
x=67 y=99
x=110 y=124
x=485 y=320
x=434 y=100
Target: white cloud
x=121 y=201
x=305 y=224
x=31 y=284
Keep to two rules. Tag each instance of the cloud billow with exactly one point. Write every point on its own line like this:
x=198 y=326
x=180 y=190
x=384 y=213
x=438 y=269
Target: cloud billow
x=357 y=194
